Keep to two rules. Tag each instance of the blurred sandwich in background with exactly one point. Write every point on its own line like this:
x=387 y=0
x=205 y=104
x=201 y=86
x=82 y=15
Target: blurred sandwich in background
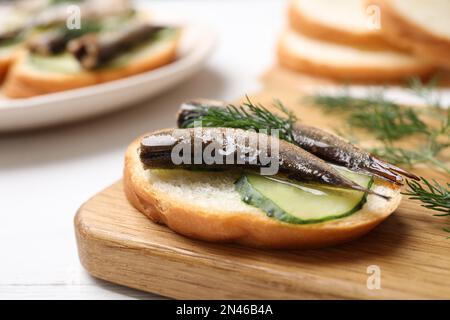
x=43 y=53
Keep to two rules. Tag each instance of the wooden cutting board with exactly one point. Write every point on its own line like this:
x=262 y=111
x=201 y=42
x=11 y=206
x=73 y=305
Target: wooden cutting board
x=118 y=244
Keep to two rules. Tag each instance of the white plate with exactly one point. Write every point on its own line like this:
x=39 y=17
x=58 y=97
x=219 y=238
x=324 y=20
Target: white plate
x=196 y=46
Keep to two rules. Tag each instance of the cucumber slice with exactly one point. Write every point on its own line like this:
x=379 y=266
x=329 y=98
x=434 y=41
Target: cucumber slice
x=63 y=63
x=298 y=203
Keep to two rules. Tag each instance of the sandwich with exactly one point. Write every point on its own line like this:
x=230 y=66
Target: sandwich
x=111 y=42
x=252 y=177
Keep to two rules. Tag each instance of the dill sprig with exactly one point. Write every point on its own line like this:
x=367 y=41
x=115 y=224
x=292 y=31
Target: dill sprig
x=425 y=90
x=433 y=195
x=437 y=140
x=384 y=119
x=389 y=122
x=248 y=116
x=427 y=154
x=447 y=230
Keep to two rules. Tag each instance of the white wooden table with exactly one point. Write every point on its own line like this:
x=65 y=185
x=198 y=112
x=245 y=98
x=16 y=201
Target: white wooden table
x=46 y=175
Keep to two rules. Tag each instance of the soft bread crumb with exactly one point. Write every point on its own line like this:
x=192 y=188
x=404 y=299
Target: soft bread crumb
x=378 y=204
x=214 y=192
x=432 y=16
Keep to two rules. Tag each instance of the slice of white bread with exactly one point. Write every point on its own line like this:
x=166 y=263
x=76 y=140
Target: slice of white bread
x=33 y=75
x=420 y=26
x=7 y=56
x=342 y=21
x=301 y=53
x=206 y=206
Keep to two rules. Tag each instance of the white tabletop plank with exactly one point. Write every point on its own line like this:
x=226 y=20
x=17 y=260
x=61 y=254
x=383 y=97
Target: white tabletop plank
x=45 y=175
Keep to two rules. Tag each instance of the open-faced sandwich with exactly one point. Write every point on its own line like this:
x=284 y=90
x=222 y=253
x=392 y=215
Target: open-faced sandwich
x=111 y=42
x=249 y=176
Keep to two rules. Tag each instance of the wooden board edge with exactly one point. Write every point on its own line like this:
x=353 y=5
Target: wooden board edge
x=161 y=270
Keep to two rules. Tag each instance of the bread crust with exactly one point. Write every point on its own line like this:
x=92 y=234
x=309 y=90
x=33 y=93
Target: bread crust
x=314 y=29
x=293 y=61
x=239 y=227
x=162 y=58
x=4 y=65
x=22 y=82
x=405 y=33
x=6 y=61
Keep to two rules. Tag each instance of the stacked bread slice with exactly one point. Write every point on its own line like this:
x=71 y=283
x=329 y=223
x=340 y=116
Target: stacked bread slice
x=420 y=26
x=357 y=40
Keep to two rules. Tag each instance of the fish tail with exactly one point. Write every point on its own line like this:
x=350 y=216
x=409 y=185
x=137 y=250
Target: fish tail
x=389 y=171
x=402 y=171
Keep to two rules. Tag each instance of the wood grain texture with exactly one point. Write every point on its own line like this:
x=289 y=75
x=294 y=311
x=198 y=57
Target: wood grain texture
x=119 y=244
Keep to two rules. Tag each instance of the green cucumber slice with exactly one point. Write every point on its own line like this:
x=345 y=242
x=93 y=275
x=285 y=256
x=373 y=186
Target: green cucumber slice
x=63 y=63
x=298 y=203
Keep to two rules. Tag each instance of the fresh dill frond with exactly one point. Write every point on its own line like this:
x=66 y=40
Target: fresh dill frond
x=433 y=195
x=384 y=119
x=343 y=102
x=425 y=90
x=444 y=129
x=389 y=122
x=247 y=116
x=426 y=154
x=447 y=230
x=399 y=156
